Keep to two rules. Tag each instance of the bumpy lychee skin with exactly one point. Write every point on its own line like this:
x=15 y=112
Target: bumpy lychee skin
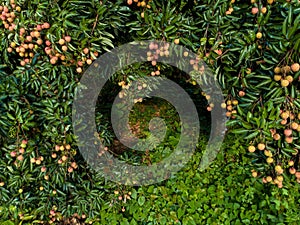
x=277 y=70
x=269 y=178
x=258 y=35
x=284 y=115
x=242 y=93
x=254 y=174
x=270 y=160
x=251 y=148
x=254 y=10
x=291 y=163
x=86 y=51
x=61 y=41
x=263 y=10
x=277 y=77
x=278 y=168
x=68 y=39
x=261 y=146
x=280 y=178
x=294 y=125
x=89 y=61
x=295 y=67
x=287 y=132
x=64 y=48
x=79 y=70
x=276 y=137
x=289 y=78
x=289 y=140
x=13 y=154
x=46 y=26
x=286 y=69
x=268 y=153
x=284 y=83
x=292 y=170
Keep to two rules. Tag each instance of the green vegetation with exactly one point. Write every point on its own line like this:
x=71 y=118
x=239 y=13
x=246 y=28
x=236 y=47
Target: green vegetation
x=251 y=46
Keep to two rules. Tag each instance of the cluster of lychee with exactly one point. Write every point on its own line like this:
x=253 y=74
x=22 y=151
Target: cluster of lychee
x=29 y=42
x=142 y=3
x=64 y=156
x=293 y=171
x=262 y=10
x=87 y=58
x=125 y=87
x=8 y=15
x=195 y=63
x=288 y=119
x=230 y=106
x=37 y=160
x=77 y=219
x=156 y=51
x=56 y=54
x=262 y=147
x=138 y=86
x=59 y=52
x=278 y=178
x=102 y=151
x=230 y=10
x=54 y=215
x=274 y=179
x=255 y=10
x=284 y=74
x=19 y=154
x=208 y=98
x=270 y=2
x=123 y=197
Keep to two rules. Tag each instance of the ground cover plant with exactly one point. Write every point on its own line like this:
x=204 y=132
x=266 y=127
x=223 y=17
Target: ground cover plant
x=253 y=49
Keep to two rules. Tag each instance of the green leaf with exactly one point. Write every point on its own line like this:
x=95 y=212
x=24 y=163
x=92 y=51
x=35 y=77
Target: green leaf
x=8 y=222
x=141 y=200
x=252 y=135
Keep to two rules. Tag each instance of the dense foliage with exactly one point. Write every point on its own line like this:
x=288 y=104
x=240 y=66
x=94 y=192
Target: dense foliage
x=253 y=48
